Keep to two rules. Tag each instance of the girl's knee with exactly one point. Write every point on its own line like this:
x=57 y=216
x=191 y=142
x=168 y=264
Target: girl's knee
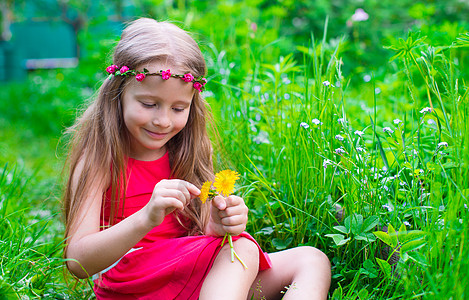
x=312 y=258
x=248 y=251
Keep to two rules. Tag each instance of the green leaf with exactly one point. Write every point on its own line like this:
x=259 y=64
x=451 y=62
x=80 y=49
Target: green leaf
x=348 y=224
x=412 y=245
x=402 y=231
x=411 y=235
x=369 y=269
x=363 y=294
x=281 y=244
x=370 y=223
x=266 y=230
x=365 y=236
x=384 y=266
x=356 y=223
x=383 y=236
x=338 y=239
x=418 y=258
x=392 y=233
x=341 y=229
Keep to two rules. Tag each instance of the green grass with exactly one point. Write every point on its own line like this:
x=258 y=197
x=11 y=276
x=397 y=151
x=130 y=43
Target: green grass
x=279 y=123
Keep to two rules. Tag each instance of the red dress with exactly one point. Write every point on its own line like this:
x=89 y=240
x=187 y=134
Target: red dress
x=168 y=264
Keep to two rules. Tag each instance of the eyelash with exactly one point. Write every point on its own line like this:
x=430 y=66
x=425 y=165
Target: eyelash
x=153 y=105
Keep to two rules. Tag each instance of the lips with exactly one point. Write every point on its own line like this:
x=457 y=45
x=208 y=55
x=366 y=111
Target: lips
x=156 y=135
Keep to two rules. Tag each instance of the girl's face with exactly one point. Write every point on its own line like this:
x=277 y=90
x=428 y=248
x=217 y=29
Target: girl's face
x=154 y=111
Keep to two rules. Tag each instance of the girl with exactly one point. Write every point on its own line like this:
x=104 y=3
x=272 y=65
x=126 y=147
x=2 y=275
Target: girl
x=139 y=154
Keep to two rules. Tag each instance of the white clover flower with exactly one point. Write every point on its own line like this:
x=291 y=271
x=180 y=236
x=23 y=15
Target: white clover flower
x=388 y=130
x=431 y=122
x=377 y=90
x=326 y=83
x=366 y=78
x=360 y=133
x=316 y=122
x=360 y=149
x=304 y=125
x=339 y=151
x=443 y=144
x=387 y=207
x=407 y=224
x=286 y=96
x=341 y=121
x=397 y=121
x=426 y=110
x=339 y=137
x=359 y=15
x=257 y=89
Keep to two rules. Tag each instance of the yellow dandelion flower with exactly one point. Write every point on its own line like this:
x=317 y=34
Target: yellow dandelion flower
x=205 y=191
x=225 y=181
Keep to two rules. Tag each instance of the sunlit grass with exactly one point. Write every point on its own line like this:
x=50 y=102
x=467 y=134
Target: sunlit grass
x=323 y=163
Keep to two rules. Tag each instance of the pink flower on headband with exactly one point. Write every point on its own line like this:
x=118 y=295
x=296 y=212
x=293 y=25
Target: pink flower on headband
x=166 y=74
x=188 y=77
x=198 y=86
x=111 y=69
x=140 y=77
x=124 y=69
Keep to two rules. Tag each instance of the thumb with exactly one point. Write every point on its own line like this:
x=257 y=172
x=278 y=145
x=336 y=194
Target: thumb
x=219 y=202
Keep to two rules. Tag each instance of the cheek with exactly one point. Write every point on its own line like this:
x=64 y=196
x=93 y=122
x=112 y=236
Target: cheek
x=182 y=121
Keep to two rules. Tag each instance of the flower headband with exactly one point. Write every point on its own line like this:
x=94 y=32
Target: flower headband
x=198 y=83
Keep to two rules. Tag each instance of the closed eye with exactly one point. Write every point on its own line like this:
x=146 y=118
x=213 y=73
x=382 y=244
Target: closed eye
x=177 y=109
x=148 y=105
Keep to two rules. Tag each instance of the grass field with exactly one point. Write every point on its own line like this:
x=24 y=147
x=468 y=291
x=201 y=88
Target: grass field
x=372 y=169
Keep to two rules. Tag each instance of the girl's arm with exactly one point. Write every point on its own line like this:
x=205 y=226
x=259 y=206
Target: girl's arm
x=227 y=215
x=91 y=250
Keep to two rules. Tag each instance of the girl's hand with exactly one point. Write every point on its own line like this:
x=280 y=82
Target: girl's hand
x=168 y=195
x=227 y=215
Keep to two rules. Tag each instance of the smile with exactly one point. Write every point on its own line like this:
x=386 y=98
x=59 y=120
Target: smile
x=156 y=135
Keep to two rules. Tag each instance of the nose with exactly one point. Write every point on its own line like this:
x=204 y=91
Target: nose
x=162 y=119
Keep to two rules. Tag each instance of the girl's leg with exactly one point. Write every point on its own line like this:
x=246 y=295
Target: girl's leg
x=230 y=280
x=305 y=271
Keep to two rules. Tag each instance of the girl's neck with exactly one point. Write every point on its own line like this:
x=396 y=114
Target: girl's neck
x=149 y=156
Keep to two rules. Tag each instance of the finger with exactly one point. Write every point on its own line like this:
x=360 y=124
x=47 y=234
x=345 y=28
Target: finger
x=182 y=195
x=233 y=200
x=189 y=187
x=233 y=211
x=219 y=202
x=234 y=220
x=234 y=230
x=173 y=204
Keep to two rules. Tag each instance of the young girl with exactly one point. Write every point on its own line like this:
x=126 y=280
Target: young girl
x=139 y=154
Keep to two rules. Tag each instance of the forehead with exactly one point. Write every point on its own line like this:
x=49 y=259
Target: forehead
x=171 y=89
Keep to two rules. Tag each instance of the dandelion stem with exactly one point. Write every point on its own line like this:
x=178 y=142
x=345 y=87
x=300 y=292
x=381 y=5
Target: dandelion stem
x=230 y=240
x=224 y=239
x=233 y=252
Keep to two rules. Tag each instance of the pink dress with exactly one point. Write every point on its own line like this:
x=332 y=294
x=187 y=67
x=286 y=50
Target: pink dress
x=168 y=264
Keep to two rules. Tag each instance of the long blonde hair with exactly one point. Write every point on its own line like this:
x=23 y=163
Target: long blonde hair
x=101 y=141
